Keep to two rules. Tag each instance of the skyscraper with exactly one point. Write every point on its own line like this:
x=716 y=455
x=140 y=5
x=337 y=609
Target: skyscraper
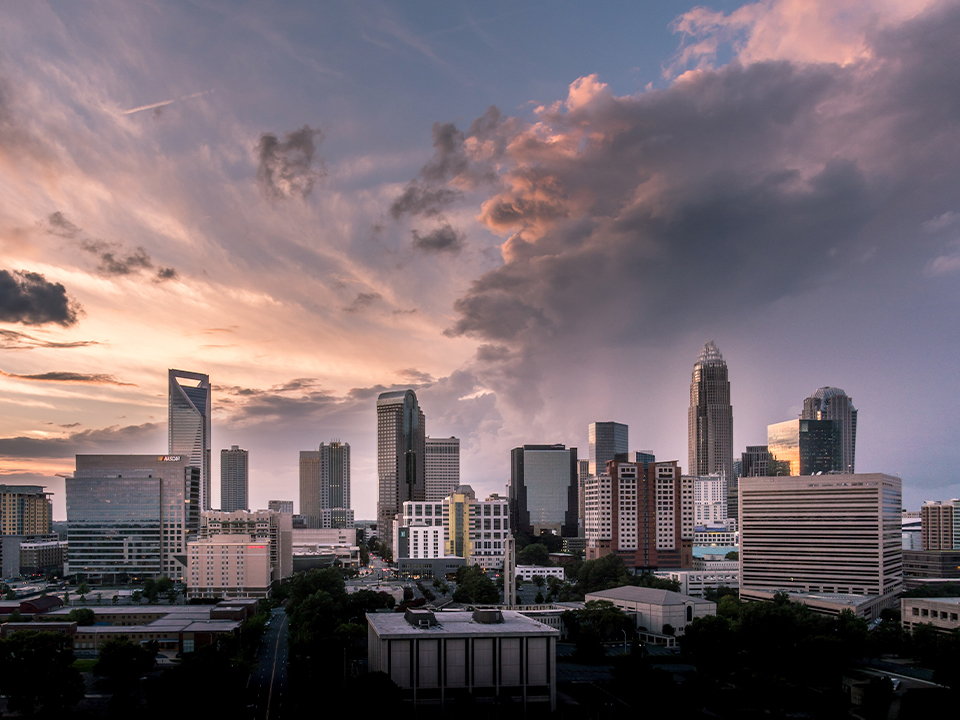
x=325 y=486
x=188 y=424
x=606 y=440
x=830 y=403
x=234 y=479
x=401 y=447
x=803 y=447
x=544 y=484
x=710 y=418
x=441 y=467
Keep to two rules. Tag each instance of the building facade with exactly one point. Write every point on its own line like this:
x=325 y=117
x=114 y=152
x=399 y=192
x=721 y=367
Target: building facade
x=836 y=534
x=188 y=424
x=263 y=527
x=710 y=419
x=25 y=510
x=281 y=506
x=325 y=486
x=131 y=515
x=939 y=523
x=228 y=566
x=234 y=479
x=543 y=489
x=642 y=512
x=441 y=467
x=401 y=450
x=709 y=499
x=606 y=440
x=804 y=447
x=830 y=403
x=477 y=529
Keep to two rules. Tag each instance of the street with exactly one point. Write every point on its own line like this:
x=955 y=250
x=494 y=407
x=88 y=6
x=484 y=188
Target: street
x=268 y=682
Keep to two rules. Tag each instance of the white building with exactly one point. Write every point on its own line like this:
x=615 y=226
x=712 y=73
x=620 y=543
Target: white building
x=529 y=572
x=826 y=534
x=697 y=582
x=709 y=499
x=264 y=526
x=942 y=613
x=228 y=566
x=438 y=657
x=655 y=609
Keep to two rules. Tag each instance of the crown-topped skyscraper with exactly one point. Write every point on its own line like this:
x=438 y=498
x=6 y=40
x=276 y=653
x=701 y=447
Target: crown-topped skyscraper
x=710 y=418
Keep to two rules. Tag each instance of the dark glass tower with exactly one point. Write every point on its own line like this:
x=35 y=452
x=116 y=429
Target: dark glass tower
x=710 y=418
x=401 y=447
x=605 y=441
x=830 y=403
x=804 y=447
x=188 y=424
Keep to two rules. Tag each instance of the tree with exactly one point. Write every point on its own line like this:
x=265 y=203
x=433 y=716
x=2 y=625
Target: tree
x=733 y=555
x=83 y=616
x=534 y=554
x=473 y=586
x=539 y=581
x=599 y=620
x=121 y=663
x=82 y=590
x=135 y=596
x=36 y=672
x=539 y=598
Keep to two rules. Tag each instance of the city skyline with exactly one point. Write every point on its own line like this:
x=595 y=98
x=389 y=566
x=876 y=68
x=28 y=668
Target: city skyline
x=317 y=204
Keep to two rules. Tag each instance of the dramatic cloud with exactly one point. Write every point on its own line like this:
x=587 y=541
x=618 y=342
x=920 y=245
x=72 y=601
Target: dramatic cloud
x=443 y=239
x=420 y=199
x=57 y=224
x=70 y=377
x=288 y=167
x=98 y=440
x=114 y=261
x=28 y=298
x=415 y=376
x=362 y=302
x=14 y=340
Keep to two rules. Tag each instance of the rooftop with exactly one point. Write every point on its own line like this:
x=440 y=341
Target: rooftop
x=393 y=625
x=631 y=593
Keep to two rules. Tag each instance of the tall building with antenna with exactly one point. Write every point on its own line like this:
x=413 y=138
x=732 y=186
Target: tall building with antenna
x=188 y=425
x=710 y=420
x=830 y=403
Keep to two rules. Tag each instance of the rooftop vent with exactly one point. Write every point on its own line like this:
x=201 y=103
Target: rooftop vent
x=488 y=617
x=420 y=618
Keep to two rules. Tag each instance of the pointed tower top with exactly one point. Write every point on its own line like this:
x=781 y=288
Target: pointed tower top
x=710 y=355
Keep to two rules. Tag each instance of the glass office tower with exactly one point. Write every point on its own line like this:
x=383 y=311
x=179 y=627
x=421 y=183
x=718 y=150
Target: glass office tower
x=401 y=450
x=830 y=403
x=606 y=440
x=544 y=483
x=188 y=425
x=804 y=447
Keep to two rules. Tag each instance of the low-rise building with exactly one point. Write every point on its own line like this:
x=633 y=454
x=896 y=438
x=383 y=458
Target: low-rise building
x=942 y=613
x=529 y=572
x=449 y=658
x=654 y=609
x=697 y=582
x=269 y=527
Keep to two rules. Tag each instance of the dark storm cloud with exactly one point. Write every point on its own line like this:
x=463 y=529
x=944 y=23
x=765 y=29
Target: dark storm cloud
x=84 y=441
x=464 y=160
x=70 y=377
x=443 y=239
x=420 y=199
x=14 y=340
x=114 y=260
x=28 y=298
x=726 y=191
x=289 y=167
x=58 y=224
x=362 y=302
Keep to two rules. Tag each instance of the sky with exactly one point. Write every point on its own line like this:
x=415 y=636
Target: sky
x=533 y=214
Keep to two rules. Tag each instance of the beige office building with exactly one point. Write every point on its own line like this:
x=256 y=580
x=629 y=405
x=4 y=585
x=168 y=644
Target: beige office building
x=228 y=566
x=837 y=534
x=273 y=528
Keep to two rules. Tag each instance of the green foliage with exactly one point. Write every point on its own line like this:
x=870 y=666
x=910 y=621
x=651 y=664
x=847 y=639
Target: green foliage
x=36 y=672
x=15 y=616
x=598 y=622
x=938 y=590
x=473 y=586
x=534 y=554
x=733 y=555
x=539 y=598
x=83 y=616
x=219 y=665
x=83 y=589
x=121 y=663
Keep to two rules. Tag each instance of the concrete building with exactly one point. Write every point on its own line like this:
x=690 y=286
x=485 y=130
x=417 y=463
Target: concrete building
x=830 y=403
x=605 y=441
x=25 y=510
x=821 y=534
x=267 y=527
x=444 y=658
x=528 y=572
x=429 y=513
x=401 y=451
x=710 y=418
x=323 y=547
x=131 y=515
x=641 y=512
x=418 y=541
x=697 y=582
x=543 y=489
x=477 y=529
x=234 y=479
x=940 y=525
x=284 y=507
x=653 y=610
x=228 y=566
x=709 y=499
x=325 y=486
x=805 y=447
x=41 y=556
x=441 y=467
x=942 y=613
x=724 y=535
x=188 y=425
x=927 y=566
